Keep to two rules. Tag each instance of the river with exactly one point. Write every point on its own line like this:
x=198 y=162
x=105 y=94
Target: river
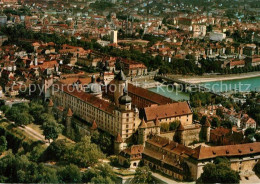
x=170 y=92
x=239 y=85
x=242 y=85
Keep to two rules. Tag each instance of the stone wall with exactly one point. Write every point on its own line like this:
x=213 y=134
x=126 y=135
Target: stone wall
x=190 y=136
x=168 y=135
x=241 y=165
x=193 y=169
x=245 y=164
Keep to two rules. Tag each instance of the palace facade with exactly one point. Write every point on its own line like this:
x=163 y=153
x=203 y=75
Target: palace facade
x=115 y=108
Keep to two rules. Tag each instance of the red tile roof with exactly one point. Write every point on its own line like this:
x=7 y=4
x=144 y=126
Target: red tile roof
x=45 y=65
x=220 y=131
x=133 y=64
x=170 y=146
x=149 y=95
x=236 y=63
x=202 y=152
x=95 y=101
x=167 y=111
x=135 y=149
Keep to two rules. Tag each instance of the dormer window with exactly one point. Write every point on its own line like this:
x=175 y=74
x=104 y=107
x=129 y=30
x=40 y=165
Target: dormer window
x=214 y=153
x=251 y=149
x=227 y=152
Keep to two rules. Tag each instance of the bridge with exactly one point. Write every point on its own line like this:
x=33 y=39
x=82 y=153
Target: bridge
x=185 y=86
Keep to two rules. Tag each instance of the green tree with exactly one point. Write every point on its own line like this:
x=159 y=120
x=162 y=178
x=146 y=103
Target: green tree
x=143 y=175
x=174 y=125
x=36 y=153
x=196 y=116
x=19 y=113
x=127 y=163
x=95 y=137
x=215 y=122
x=114 y=161
x=105 y=171
x=23 y=119
x=5 y=108
x=257 y=137
x=105 y=143
x=226 y=124
x=57 y=150
x=45 y=117
x=257 y=168
x=219 y=113
x=52 y=129
x=69 y=174
x=36 y=110
x=46 y=174
x=209 y=28
x=219 y=160
x=102 y=173
x=203 y=120
x=249 y=131
x=18 y=169
x=3 y=144
x=100 y=179
x=219 y=172
x=84 y=153
x=164 y=127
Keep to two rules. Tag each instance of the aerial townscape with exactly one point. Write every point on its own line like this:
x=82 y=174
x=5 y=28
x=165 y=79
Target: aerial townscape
x=130 y=91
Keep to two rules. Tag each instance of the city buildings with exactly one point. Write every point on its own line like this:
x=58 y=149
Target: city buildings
x=87 y=59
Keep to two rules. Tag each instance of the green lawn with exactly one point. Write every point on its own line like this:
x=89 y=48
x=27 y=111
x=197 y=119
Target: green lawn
x=16 y=131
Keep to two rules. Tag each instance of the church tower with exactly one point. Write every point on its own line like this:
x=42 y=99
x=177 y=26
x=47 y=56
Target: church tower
x=120 y=83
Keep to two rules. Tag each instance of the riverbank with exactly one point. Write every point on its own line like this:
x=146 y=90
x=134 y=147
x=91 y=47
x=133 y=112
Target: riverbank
x=212 y=78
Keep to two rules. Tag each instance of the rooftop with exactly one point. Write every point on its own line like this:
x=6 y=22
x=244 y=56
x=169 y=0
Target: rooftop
x=167 y=110
x=202 y=152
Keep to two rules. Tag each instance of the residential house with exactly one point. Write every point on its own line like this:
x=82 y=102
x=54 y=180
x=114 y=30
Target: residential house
x=248 y=122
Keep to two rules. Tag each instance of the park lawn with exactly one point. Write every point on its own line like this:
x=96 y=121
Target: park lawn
x=16 y=131
x=36 y=128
